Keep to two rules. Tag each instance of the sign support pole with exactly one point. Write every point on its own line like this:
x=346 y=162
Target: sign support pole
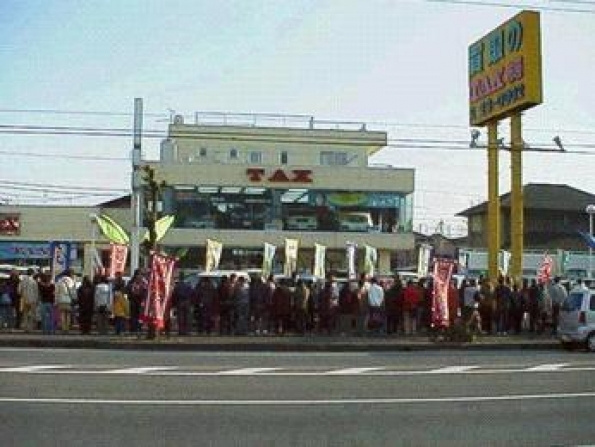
x=493 y=224
x=517 y=200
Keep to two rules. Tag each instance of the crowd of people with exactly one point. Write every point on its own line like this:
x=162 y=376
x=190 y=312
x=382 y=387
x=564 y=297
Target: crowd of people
x=238 y=305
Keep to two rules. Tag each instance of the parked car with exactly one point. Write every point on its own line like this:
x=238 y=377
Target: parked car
x=301 y=223
x=203 y=223
x=577 y=319
x=355 y=221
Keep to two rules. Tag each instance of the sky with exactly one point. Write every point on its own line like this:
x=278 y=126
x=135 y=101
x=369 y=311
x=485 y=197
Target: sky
x=398 y=65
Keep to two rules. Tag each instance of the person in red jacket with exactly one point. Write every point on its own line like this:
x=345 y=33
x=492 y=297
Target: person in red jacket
x=453 y=302
x=411 y=302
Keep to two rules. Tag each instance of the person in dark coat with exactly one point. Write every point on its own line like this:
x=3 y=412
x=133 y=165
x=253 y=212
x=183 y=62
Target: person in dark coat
x=394 y=306
x=182 y=299
x=137 y=290
x=85 y=298
x=13 y=287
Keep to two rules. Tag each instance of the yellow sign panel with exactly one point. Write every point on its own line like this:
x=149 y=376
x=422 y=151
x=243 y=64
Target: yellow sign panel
x=505 y=70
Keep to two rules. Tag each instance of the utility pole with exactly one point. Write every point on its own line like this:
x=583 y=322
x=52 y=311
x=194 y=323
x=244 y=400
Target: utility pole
x=135 y=202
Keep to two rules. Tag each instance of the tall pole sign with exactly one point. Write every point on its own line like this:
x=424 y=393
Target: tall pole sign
x=505 y=79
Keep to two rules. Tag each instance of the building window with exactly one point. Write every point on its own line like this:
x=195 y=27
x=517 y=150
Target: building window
x=202 y=152
x=233 y=154
x=283 y=158
x=255 y=157
x=330 y=158
x=476 y=226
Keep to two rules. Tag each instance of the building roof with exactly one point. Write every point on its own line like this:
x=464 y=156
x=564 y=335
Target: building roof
x=119 y=202
x=542 y=196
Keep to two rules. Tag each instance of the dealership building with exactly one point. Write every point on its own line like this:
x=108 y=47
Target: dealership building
x=246 y=184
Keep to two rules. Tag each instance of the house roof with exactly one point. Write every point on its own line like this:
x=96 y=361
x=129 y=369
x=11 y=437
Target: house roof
x=542 y=196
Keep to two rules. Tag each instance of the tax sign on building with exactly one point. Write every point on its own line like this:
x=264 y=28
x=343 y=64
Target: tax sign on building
x=505 y=70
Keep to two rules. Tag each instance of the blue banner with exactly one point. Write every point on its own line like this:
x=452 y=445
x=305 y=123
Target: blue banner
x=588 y=239
x=24 y=250
x=60 y=258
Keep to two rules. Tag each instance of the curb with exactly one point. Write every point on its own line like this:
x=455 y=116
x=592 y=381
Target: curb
x=251 y=345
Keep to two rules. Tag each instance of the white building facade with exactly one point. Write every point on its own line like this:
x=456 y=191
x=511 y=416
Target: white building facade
x=246 y=185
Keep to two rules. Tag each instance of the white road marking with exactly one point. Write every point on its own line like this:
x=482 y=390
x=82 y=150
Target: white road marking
x=377 y=371
x=140 y=370
x=363 y=401
x=453 y=369
x=549 y=367
x=245 y=371
x=33 y=368
x=350 y=371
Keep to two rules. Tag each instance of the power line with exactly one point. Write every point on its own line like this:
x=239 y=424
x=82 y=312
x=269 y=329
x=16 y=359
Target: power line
x=63 y=156
x=517 y=5
x=382 y=123
x=17 y=185
x=239 y=136
x=81 y=112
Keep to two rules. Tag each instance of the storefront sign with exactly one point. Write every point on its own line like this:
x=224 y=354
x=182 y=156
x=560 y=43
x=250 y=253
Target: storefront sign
x=279 y=175
x=10 y=224
x=505 y=70
x=24 y=250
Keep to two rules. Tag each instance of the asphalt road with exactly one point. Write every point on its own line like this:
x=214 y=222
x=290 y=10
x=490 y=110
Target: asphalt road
x=51 y=397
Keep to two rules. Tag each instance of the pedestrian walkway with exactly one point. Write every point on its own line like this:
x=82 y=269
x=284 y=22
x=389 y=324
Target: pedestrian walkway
x=286 y=343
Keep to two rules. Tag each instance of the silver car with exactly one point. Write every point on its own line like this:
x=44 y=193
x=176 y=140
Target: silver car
x=577 y=319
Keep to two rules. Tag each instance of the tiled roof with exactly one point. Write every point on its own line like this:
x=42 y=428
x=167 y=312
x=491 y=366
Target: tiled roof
x=542 y=196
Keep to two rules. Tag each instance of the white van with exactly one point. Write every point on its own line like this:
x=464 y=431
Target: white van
x=577 y=319
x=354 y=221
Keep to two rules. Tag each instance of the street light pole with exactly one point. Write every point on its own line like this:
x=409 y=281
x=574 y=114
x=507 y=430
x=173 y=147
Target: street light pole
x=590 y=210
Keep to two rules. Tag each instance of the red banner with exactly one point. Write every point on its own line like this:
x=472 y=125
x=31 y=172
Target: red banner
x=118 y=256
x=160 y=288
x=544 y=273
x=441 y=278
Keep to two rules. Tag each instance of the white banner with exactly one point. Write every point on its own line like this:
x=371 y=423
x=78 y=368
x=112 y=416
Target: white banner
x=370 y=259
x=213 y=255
x=319 y=260
x=423 y=262
x=504 y=261
x=267 y=259
x=350 y=253
x=291 y=256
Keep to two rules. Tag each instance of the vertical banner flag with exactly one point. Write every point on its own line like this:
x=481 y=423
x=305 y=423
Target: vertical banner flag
x=350 y=253
x=463 y=263
x=291 y=256
x=441 y=279
x=213 y=255
x=117 y=258
x=370 y=259
x=267 y=259
x=544 y=273
x=423 y=261
x=563 y=257
x=59 y=258
x=504 y=261
x=97 y=264
x=160 y=288
x=319 y=260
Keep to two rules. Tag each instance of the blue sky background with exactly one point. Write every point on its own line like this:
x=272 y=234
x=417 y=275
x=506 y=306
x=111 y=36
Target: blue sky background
x=400 y=65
